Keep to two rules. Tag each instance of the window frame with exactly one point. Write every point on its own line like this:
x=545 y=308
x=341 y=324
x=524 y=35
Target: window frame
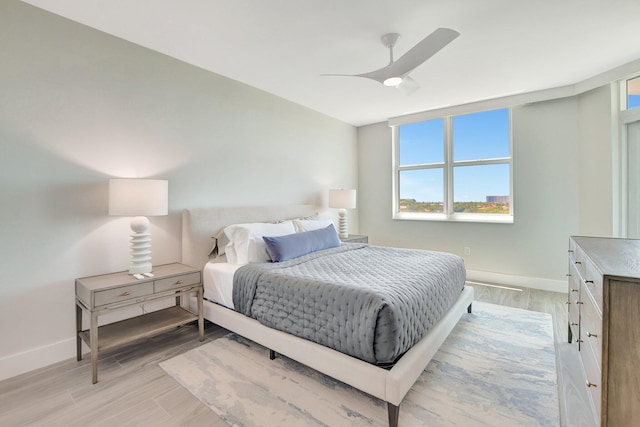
x=448 y=166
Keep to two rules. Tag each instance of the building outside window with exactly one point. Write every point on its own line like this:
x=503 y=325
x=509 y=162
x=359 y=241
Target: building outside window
x=632 y=93
x=455 y=168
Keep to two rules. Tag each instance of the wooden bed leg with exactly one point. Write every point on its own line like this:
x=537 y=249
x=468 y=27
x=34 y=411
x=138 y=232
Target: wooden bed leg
x=469 y=308
x=272 y=354
x=394 y=414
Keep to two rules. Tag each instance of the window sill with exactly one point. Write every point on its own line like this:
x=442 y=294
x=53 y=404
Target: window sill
x=483 y=218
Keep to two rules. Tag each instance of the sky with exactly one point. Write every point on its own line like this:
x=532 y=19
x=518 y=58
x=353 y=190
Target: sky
x=483 y=135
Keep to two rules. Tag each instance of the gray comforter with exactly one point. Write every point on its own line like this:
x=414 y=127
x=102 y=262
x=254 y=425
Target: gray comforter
x=369 y=302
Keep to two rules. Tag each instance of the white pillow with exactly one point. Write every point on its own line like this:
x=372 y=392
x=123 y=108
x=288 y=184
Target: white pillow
x=245 y=240
x=311 y=224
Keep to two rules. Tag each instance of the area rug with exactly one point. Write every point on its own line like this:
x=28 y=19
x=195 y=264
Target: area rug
x=497 y=368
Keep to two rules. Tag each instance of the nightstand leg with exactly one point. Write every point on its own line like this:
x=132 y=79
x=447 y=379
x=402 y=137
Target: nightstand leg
x=93 y=339
x=200 y=315
x=78 y=330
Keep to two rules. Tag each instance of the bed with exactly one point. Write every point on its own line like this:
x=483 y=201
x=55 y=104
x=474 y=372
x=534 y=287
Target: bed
x=389 y=383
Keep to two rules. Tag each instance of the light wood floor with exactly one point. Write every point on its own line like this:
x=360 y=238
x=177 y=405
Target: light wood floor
x=134 y=391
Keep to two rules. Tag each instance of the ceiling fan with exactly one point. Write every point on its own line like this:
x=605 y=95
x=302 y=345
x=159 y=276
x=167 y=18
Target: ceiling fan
x=396 y=73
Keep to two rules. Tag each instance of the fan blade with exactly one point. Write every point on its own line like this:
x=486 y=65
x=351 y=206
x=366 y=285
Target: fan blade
x=379 y=75
x=418 y=54
x=371 y=75
x=424 y=50
x=408 y=86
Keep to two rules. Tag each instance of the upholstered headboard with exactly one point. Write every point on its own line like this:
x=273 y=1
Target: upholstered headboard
x=200 y=224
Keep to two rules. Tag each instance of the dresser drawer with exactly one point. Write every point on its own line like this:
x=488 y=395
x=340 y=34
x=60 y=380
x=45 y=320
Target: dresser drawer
x=593 y=281
x=573 y=306
x=579 y=261
x=593 y=376
x=123 y=293
x=177 y=282
x=591 y=326
x=572 y=248
x=575 y=281
x=574 y=321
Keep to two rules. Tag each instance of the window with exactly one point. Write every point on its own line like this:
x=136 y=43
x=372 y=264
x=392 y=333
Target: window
x=628 y=180
x=454 y=168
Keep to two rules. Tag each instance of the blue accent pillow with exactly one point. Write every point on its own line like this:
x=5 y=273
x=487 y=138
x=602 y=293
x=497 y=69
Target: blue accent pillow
x=283 y=248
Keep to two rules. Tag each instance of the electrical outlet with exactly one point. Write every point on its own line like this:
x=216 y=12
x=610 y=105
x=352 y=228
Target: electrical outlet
x=467 y=250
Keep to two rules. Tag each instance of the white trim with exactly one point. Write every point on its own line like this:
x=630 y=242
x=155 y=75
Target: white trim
x=40 y=357
x=539 y=283
x=471 y=217
x=619 y=165
x=621 y=117
x=35 y=358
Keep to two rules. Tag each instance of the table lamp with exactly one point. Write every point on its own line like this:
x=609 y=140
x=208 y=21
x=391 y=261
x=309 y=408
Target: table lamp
x=343 y=200
x=139 y=198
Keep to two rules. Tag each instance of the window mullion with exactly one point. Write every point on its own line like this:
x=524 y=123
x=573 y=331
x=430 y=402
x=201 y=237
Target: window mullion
x=395 y=153
x=424 y=166
x=448 y=167
x=497 y=161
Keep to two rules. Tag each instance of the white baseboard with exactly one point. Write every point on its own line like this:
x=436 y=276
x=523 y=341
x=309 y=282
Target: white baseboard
x=29 y=360
x=39 y=357
x=521 y=281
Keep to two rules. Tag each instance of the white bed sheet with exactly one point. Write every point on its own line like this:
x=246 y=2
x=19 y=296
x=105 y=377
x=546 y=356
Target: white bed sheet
x=218 y=282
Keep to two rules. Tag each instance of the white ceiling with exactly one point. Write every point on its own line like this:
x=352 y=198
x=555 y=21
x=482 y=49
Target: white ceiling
x=283 y=46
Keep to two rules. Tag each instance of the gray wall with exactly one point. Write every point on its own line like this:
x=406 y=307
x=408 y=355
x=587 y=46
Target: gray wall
x=78 y=107
x=596 y=165
x=562 y=186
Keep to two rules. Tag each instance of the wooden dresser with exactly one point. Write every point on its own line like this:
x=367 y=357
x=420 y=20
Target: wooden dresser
x=604 y=322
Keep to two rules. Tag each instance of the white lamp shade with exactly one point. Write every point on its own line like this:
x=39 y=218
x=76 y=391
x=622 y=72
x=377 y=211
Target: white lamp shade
x=342 y=199
x=138 y=197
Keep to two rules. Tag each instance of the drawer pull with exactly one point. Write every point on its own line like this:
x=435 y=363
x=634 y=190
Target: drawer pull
x=125 y=294
x=568 y=274
x=570 y=250
x=574 y=324
x=590 y=384
x=579 y=340
x=179 y=282
x=574 y=290
x=588 y=281
x=578 y=262
x=589 y=334
x=579 y=302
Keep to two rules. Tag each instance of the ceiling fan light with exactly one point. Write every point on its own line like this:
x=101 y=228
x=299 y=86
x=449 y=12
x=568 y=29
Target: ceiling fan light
x=392 y=81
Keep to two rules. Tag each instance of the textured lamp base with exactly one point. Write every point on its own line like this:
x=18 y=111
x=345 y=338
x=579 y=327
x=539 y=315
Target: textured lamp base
x=140 y=246
x=342 y=224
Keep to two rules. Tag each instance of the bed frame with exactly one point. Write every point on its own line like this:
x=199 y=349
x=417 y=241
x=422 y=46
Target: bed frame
x=390 y=385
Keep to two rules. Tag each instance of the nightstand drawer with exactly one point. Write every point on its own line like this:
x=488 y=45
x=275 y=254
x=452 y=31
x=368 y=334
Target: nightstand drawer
x=177 y=282
x=123 y=293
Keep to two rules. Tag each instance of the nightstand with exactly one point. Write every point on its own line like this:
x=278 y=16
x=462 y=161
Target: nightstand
x=356 y=238
x=109 y=292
